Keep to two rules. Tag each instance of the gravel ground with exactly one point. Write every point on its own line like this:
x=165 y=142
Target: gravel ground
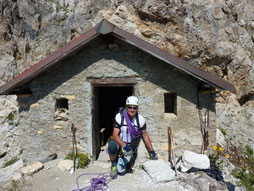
x=52 y=179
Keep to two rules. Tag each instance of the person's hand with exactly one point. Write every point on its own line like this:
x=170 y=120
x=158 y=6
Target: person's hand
x=127 y=150
x=153 y=155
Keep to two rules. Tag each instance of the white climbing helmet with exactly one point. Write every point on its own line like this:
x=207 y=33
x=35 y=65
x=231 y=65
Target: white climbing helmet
x=132 y=100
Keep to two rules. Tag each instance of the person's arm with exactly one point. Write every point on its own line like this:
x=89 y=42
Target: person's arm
x=147 y=140
x=116 y=137
x=117 y=129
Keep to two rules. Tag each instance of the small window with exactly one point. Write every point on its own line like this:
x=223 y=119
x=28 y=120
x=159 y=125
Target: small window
x=62 y=104
x=61 y=110
x=170 y=103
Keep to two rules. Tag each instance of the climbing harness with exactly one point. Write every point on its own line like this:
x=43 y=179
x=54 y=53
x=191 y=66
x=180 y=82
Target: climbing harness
x=98 y=183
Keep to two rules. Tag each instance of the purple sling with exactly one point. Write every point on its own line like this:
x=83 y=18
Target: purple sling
x=134 y=130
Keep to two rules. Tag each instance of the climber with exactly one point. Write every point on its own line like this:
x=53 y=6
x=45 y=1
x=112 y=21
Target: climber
x=128 y=128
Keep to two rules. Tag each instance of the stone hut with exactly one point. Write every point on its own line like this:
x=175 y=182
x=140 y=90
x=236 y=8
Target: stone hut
x=86 y=81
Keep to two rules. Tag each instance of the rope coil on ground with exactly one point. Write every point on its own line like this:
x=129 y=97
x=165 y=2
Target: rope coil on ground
x=98 y=183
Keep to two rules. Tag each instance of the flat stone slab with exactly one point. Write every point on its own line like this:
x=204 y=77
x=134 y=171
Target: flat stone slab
x=65 y=165
x=159 y=171
x=31 y=169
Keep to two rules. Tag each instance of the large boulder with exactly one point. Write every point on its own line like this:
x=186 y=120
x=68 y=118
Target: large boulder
x=191 y=159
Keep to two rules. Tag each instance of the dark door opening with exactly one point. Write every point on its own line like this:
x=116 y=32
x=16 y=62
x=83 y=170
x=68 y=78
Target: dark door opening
x=108 y=100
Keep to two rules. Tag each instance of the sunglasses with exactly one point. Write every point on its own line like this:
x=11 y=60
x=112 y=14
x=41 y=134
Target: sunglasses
x=134 y=108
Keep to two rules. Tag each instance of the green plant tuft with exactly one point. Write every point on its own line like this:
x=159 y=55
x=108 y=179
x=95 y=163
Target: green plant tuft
x=14 y=186
x=223 y=131
x=245 y=170
x=248 y=151
x=69 y=156
x=242 y=158
x=246 y=179
x=11 y=118
x=11 y=115
x=10 y=162
x=82 y=159
x=217 y=156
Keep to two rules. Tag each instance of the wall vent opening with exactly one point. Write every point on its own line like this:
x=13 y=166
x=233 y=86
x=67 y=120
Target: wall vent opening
x=62 y=104
x=170 y=102
x=61 y=110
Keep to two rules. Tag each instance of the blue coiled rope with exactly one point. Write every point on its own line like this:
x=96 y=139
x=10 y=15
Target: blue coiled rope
x=98 y=183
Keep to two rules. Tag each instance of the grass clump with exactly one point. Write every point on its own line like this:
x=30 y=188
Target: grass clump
x=11 y=162
x=82 y=159
x=218 y=156
x=243 y=160
x=223 y=131
x=11 y=116
x=14 y=186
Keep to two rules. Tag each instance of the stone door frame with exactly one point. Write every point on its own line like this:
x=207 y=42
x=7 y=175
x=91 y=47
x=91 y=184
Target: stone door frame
x=107 y=82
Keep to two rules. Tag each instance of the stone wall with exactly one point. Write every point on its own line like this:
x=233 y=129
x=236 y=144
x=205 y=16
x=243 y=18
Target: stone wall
x=42 y=134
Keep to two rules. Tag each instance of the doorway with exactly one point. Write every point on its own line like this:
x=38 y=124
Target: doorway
x=107 y=101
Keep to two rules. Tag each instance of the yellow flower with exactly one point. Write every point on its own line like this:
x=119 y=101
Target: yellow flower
x=221 y=149
x=227 y=156
x=215 y=147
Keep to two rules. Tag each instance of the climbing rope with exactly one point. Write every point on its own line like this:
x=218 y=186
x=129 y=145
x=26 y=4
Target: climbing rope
x=98 y=183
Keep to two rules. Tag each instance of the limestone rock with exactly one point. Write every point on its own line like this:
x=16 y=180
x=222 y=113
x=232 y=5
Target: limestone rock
x=3 y=151
x=8 y=171
x=30 y=17
x=159 y=171
x=191 y=159
x=13 y=23
x=62 y=114
x=200 y=181
x=8 y=69
x=17 y=176
x=31 y=169
x=158 y=10
x=23 y=48
x=48 y=158
x=237 y=121
x=65 y=165
x=221 y=139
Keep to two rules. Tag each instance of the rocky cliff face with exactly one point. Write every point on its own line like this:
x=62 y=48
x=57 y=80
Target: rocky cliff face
x=217 y=36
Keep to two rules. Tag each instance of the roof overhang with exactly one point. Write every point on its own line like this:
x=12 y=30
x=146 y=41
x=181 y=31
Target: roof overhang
x=105 y=27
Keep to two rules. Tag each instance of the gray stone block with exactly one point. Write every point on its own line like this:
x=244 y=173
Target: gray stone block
x=159 y=171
